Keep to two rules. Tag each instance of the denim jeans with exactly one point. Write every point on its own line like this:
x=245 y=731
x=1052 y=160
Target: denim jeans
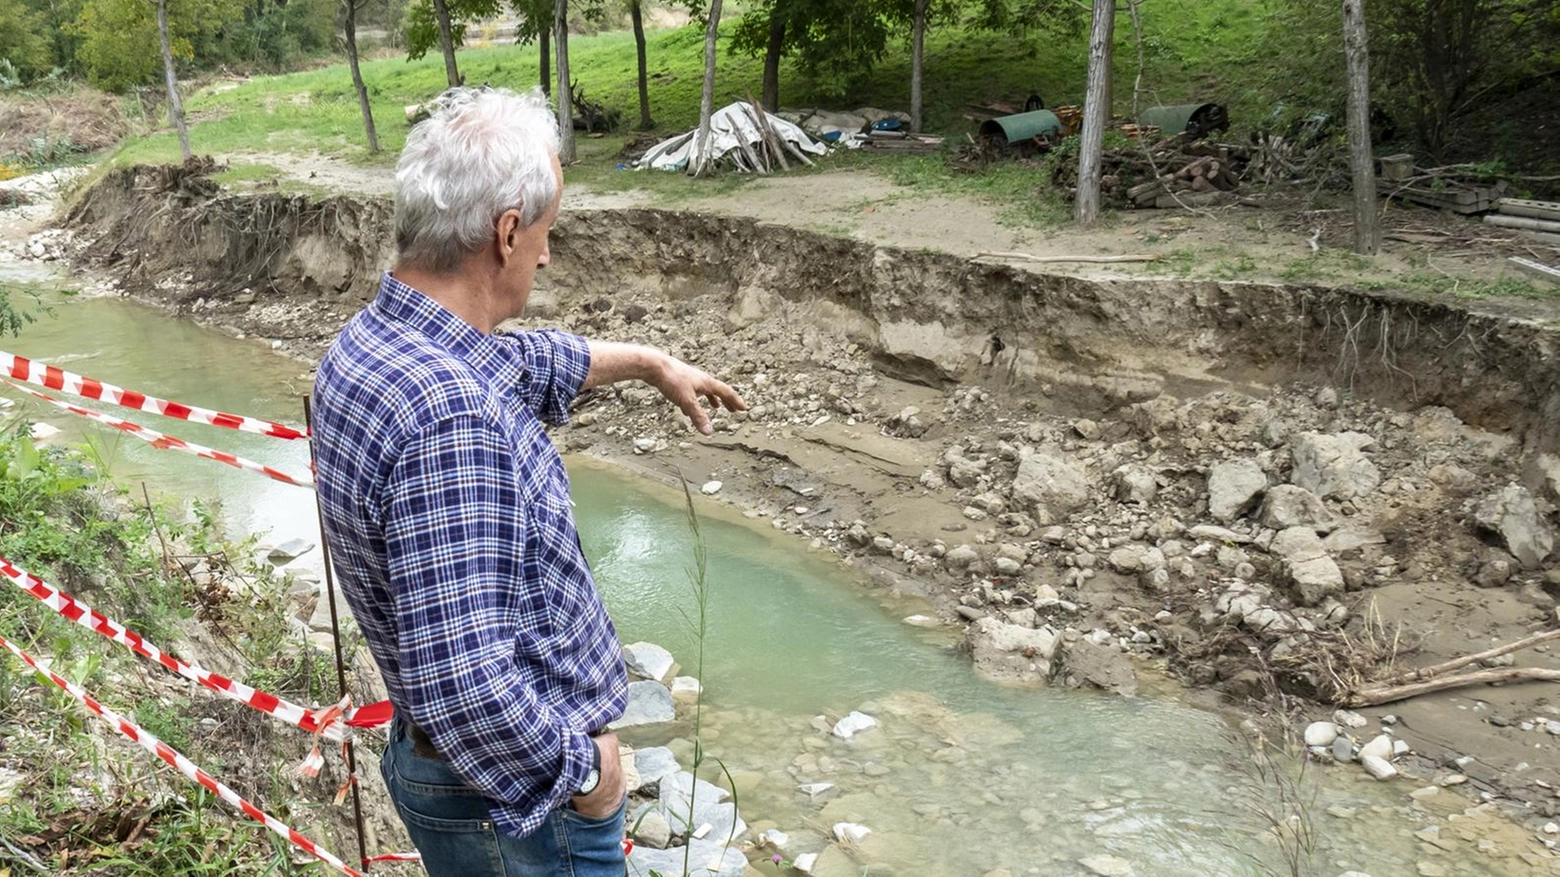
x=450 y=824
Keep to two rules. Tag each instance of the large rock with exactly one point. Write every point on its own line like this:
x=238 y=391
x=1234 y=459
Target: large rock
x=655 y=763
x=1234 y=486
x=649 y=703
x=1007 y=651
x=1050 y=482
x=1136 y=558
x=1288 y=506
x=1135 y=484
x=1102 y=666
x=1305 y=566
x=1549 y=475
x=653 y=830
x=1335 y=465
x=650 y=661
x=1511 y=514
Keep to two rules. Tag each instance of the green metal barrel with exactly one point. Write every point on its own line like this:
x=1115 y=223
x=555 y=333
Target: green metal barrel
x=1024 y=126
x=1200 y=118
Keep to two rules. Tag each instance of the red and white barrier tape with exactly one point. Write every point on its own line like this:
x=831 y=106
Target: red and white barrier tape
x=327 y=722
x=171 y=443
x=183 y=765
x=53 y=378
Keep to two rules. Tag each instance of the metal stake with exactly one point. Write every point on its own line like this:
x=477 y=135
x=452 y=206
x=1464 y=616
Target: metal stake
x=335 y=630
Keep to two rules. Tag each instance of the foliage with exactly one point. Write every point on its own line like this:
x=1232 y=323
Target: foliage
x=1436 y=60
x=119 y=37
x=272 y=35
x=23 y=44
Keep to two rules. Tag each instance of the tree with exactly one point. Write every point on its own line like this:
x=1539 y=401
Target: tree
x=1367 y=232
x=175 y=107
x=441 y=14
x=834 y=43
x=350 y=28
x=701 y=161
x=917 y=60
x=534 y=24
x=1096 y=108
x=565 y=93
x=636 y=13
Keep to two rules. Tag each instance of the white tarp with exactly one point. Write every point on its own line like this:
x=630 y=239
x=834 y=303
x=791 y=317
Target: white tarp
x=730 y=127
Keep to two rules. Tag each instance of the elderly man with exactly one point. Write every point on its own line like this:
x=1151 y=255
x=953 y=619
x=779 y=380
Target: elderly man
x=447 y=509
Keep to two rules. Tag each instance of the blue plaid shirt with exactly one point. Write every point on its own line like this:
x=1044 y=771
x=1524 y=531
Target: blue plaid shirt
x=449 y=520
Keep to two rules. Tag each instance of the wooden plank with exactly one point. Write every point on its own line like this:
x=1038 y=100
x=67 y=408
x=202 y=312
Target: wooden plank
x=1522 y=222
x=1536 y=269
x=1531 y=209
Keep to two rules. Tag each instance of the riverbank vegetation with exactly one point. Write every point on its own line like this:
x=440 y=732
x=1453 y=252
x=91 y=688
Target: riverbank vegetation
x=71 y=800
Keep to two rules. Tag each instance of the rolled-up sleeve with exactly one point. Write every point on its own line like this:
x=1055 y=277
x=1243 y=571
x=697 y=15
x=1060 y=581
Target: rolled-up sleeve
x=454 y=521
x=556 y=365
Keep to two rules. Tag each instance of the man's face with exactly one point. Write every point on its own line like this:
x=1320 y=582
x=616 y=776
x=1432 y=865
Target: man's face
x=530 y=249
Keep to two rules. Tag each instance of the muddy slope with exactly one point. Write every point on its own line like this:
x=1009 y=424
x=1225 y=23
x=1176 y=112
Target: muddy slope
x=928 y=317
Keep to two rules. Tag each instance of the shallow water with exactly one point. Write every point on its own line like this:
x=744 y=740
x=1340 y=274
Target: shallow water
x=963 y=776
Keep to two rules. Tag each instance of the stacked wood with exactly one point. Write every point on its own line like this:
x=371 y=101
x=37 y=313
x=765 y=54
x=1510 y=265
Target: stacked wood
x=1537 y=220
x=901 y=142
x=1167 y=173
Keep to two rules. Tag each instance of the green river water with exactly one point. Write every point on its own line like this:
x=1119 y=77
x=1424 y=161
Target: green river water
x=962 y=777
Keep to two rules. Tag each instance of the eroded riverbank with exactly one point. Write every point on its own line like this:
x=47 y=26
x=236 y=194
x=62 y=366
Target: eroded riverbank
x=1127 y=398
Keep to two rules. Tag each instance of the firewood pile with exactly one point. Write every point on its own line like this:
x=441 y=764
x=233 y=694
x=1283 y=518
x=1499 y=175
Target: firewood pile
x=1170 y=173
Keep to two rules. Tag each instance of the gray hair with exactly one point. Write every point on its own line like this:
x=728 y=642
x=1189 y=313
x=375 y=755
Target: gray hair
x=482 y=151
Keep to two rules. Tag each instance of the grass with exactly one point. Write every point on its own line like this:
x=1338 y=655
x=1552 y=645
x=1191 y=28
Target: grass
x=316 y=110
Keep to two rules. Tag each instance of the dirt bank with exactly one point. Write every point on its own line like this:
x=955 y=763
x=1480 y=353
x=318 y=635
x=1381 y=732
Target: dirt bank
x=1275 y=491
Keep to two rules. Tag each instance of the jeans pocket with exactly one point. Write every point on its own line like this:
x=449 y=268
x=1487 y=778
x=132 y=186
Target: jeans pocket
x=595 y=846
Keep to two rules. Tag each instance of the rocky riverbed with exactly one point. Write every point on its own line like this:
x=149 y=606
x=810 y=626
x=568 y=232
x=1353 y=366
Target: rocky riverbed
x=1282 y=541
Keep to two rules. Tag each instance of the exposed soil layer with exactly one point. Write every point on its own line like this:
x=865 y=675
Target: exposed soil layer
x=1094 y=457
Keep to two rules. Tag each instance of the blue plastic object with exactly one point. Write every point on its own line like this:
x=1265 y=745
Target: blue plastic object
x=887 y=125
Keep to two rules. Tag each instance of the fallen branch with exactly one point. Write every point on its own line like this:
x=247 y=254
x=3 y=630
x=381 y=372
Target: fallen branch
x=1431 y=672
x=1025 y=257
x=1377 y=696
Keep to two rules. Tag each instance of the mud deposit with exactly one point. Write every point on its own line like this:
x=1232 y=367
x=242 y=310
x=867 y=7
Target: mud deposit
x=1280 y=493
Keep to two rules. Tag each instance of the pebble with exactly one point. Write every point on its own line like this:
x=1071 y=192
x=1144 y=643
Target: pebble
x=850 y=832
x=710 y=488
x=1379 y=768
x=1425 y=792
x=1350 y=719
x=1321 y=734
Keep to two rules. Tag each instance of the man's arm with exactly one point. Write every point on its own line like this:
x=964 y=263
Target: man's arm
x=682 y=384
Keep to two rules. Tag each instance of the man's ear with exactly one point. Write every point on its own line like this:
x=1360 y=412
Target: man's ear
x=508 y=235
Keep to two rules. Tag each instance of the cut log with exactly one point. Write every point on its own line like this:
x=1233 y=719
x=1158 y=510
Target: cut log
x=1546 y=210
x=1150 y=189
x=1523 y=222
x=1377 y=696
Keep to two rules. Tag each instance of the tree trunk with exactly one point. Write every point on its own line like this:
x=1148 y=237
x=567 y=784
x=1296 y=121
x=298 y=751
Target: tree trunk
x=1367 y=232
x=701 y=161
x=772 y=53
x=357 y=77
x=636 y=12
x=565 y=88
x=1096 y=108
x=917 y=63
x=441 y=12
x=545 y=43
x=175 y=108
